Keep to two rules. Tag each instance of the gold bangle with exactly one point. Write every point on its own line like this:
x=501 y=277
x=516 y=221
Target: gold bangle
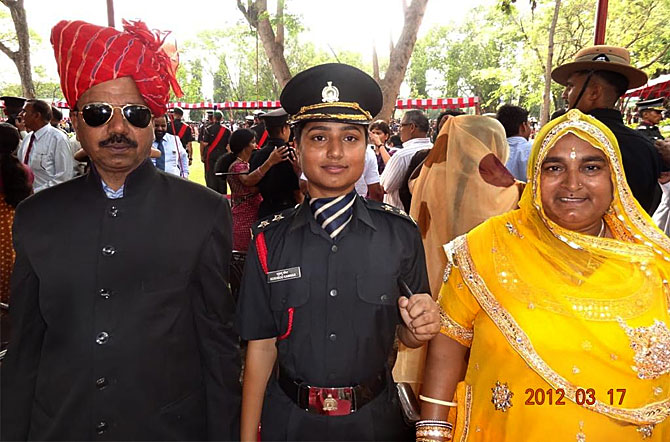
x=433 y=432
x=437 y=401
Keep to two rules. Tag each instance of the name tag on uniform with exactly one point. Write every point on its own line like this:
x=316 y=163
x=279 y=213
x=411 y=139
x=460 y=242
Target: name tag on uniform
x=284 y=275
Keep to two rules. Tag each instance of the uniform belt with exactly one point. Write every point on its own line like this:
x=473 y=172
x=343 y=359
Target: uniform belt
x=331 y=401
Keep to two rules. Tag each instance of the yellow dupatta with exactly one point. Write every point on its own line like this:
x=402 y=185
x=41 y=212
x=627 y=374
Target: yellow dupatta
x=583 y=312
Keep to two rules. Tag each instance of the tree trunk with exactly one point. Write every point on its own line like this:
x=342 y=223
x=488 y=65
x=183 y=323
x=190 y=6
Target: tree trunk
x=400 y=55
x=546 y=98
x=257 y=16
x=375 y=64
x=21 y=57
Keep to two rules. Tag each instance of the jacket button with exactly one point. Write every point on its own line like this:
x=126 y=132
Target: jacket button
x=333 y=248
x=104 y=293
x=332 y=337
x=333 y=293
x=108 y=250
x=101 y=427
x=384 y=298
x=113 y=211
x=101 y=383
x=102 y=338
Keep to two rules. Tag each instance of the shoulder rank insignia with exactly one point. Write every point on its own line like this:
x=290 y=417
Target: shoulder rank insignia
x=375 y=205
x=272 y=220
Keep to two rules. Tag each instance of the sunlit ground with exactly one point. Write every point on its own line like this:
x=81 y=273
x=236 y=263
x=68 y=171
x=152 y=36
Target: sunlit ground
x=197 y=169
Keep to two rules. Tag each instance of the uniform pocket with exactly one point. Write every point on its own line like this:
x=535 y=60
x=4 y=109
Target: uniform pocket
x=286 y=298
x=378 y=288
x=291 y=293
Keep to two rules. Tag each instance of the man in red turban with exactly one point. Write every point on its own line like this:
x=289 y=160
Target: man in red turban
x=121 y=313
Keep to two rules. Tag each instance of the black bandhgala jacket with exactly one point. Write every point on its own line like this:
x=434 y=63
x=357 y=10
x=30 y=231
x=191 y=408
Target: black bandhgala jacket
x=122 y=320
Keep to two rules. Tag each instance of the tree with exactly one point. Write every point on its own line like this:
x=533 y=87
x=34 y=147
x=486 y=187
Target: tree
x=256 y=13
x=257 y=16
x=546 y=96
x=21 y=38
x=400 y=56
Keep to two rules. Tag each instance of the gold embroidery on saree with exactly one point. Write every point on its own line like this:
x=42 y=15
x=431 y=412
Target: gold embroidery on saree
x=650 y=414
x=652 y=348
x=454 y=330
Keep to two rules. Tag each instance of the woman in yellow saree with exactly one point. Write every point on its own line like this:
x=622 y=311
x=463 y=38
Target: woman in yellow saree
x=563 y=304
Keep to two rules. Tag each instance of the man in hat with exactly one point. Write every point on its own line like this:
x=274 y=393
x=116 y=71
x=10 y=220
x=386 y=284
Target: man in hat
x=213 y=146
x=13 y=106
x=316 y=298
x=594 y=82
x=651 y=113
x=279 y=187
x=121 y=329
x=182 y=130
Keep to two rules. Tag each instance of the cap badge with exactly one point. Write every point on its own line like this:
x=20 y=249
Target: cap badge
x=330 y=93
x=601 y=57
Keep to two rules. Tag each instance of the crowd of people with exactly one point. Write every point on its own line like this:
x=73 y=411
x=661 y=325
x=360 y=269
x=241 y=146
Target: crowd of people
x=466 y=278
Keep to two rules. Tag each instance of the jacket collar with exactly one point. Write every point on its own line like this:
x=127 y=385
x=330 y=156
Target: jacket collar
x=137 y=182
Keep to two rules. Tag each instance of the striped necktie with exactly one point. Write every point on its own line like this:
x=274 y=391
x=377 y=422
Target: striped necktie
x=333 y=214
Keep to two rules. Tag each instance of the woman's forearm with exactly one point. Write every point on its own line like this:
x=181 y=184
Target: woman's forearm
x=260 y=360
x=445 y=368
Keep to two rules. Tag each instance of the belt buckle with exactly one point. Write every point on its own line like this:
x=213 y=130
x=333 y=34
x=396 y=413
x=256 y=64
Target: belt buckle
x=332 y=401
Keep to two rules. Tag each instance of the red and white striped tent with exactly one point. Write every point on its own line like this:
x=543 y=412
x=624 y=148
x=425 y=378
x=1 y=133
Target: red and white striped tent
x=658 y=87
x=408 y=103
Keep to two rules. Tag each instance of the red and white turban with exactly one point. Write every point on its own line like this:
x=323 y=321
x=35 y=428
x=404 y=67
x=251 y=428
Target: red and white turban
x=88 y=54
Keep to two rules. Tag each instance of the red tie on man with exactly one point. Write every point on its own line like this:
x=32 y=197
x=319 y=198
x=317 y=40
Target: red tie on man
x=30 y=147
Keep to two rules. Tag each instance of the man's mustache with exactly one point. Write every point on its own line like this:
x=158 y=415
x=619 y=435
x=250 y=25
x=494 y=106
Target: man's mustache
x=118 y=139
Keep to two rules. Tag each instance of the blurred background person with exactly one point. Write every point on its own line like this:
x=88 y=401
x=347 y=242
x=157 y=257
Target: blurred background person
x=379 y=134
x=173 y=158
x=414 y=135
x=517 y=129
x=16 y=184
x=245 y=197
x=45 y=149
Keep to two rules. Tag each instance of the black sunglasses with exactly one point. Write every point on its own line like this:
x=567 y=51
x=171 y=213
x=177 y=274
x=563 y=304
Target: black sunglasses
x=98 y=114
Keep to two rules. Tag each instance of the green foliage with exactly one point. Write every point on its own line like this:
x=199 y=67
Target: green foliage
x=45 y=87
x=237 y=63
x=499 y=52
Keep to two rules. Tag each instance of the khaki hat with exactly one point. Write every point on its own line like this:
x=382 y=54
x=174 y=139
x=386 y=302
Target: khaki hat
x=601 y=58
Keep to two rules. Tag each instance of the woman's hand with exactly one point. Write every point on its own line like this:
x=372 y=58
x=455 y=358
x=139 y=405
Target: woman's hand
x=421 y=317
x=278 y=155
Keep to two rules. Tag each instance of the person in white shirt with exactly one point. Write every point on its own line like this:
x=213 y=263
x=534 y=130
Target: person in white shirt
x=368 y=185
x=517 y=129
x=45 y=149
x=174 y=158
x=413 y=134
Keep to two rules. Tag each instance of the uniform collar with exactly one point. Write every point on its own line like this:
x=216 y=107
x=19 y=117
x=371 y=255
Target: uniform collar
x=304 y=215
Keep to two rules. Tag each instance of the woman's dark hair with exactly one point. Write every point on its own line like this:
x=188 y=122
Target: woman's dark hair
x=395 y=141
x=14 y=177
x=380 y=125
x=239 y=139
